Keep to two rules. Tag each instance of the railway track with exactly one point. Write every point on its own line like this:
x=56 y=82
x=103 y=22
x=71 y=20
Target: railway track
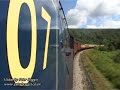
x=81 y=79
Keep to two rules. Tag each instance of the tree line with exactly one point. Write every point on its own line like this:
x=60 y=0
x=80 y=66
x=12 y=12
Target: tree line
x=110 y=38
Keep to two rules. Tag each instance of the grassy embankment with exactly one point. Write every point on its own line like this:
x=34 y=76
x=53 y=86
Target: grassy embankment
x=103 y=71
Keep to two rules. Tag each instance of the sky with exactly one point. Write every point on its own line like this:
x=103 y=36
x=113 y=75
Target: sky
x=92 y=13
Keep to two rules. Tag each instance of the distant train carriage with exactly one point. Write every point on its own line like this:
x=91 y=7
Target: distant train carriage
x=77 y=46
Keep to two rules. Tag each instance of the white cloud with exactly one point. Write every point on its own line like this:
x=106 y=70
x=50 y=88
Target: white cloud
x=91 y=26
x=110 y=24
x=75 y=18
x=73 y=26
x=86 y=9
x=106 y=24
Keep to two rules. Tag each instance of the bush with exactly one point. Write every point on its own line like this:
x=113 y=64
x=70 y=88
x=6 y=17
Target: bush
x=103 y=48
x=117 y=58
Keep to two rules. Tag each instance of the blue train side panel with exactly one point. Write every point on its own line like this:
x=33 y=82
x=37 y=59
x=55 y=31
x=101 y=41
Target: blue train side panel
x=51 y=78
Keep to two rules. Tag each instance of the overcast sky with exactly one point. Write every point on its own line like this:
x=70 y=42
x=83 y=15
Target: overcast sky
x=92 y=13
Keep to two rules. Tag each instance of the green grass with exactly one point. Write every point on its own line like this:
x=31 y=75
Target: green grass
x=104 y=72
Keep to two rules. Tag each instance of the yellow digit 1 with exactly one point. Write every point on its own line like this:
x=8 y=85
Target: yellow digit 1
x=47 y=17
x=16 y=70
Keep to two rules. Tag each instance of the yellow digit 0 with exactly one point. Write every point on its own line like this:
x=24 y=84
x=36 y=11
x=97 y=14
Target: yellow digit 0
x=47 y=17
x=16 y=70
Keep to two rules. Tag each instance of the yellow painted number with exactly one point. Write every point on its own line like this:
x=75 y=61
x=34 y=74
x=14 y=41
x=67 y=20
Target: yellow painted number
x=47 y=17
x=16 y=70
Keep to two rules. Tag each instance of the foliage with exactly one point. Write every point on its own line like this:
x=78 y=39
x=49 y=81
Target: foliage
x=104 y=62
x=98 y=79
x=117 y=58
